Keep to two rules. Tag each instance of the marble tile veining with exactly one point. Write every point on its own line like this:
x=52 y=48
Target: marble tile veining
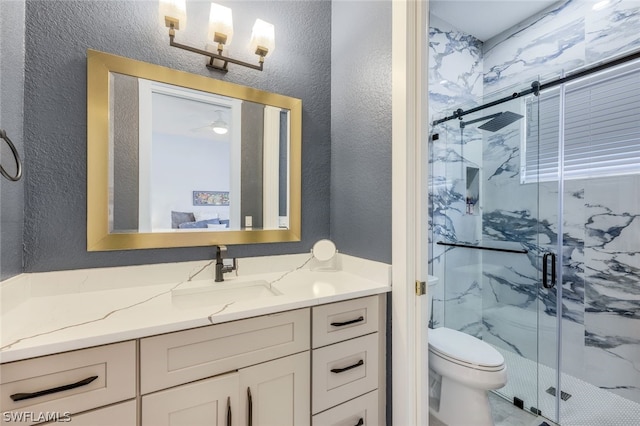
x=613 y=30
x=598 y=227
x=47 y=322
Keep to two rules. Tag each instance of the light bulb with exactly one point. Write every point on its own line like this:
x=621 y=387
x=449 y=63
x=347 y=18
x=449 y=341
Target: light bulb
x=263 y=37
x=220 y=128
x=176 y=9
x=221 y=22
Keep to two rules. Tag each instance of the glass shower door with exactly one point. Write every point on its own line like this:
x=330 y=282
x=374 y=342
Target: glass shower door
x=540 y=161
x=598 y=209
x=490 y=235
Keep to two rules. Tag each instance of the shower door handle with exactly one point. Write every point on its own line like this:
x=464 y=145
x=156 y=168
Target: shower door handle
x=546 y=282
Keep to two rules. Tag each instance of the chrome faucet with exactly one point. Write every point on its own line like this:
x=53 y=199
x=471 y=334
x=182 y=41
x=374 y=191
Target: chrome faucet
x=220 y=266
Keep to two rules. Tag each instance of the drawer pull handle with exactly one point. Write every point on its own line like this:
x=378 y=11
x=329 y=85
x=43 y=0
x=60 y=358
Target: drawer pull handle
x=228 y=411
x=360 y=422
x=250 y=402
x=340 y=370
x=342 y=324
x=22 y=396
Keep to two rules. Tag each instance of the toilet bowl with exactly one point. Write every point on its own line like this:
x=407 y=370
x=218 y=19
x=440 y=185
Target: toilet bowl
x=462 y=369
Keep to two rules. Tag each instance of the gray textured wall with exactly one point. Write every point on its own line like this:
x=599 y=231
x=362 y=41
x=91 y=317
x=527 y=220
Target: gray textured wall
x=361 y=210
x=361 y=207
x=57 y=36
x=12 y=22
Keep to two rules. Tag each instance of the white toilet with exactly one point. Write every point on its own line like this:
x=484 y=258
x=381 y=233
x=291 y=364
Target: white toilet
x=462 y=369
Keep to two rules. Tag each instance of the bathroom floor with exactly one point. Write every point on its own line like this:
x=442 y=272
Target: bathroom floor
x=504 y=414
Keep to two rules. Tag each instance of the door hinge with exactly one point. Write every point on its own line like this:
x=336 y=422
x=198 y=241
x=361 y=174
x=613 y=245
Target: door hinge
x=421 y=288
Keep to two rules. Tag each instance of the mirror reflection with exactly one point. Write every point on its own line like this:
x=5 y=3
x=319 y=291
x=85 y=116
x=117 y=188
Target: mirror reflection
x=178 y=159
x=188 y=160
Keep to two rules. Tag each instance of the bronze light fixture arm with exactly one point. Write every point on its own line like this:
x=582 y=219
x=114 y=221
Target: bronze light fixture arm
x=260 y=51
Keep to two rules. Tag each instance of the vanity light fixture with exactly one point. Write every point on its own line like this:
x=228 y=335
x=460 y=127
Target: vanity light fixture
x=173 y=14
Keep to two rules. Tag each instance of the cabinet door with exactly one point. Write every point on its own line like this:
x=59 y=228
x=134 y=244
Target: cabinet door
x=276 y=393
x=205 y=403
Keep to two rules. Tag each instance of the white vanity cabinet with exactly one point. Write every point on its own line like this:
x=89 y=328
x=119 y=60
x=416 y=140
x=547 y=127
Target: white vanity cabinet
x=271 y=393
x=276 y=393
x=122 y=414
x=252 y=371
x=320 y=365
x=58 y=386
x=208 y=402
x=348 y=362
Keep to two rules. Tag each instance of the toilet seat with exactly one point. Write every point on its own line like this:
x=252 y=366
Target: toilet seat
x=465 y=350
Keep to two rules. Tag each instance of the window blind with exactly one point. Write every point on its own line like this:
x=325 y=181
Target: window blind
x=601 y=128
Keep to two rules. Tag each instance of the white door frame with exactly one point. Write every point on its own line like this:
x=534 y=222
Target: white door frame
x=409 y=105
x=146 y=88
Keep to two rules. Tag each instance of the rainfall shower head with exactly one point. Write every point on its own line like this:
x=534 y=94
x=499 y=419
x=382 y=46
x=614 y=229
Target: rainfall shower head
x=502 y=120
x=496 y=121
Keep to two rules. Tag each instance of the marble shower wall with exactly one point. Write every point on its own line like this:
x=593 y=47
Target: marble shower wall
x=494 y=295
x=612 y=284
x=601 y=282
x=455 y=80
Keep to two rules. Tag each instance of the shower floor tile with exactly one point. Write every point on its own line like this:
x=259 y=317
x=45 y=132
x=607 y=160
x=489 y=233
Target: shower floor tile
x=588 y=405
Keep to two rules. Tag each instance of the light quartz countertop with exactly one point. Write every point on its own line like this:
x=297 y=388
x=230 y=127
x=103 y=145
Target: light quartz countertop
x=46 y=313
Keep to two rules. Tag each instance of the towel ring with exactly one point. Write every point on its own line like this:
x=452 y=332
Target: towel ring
x=16 y=157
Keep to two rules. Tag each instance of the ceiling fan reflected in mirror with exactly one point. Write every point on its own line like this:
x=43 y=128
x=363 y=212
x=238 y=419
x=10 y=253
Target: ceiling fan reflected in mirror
x=219 y=126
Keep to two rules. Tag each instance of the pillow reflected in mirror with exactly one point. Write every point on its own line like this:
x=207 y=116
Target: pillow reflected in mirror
x=205 y=216
x=217 y=226
x=181 y=217
x=199 y=224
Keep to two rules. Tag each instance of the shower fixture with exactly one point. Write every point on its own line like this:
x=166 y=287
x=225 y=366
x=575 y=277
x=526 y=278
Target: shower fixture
x=496 y=121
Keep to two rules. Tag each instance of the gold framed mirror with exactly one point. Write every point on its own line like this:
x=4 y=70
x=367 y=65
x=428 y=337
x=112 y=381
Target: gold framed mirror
x=178 y=160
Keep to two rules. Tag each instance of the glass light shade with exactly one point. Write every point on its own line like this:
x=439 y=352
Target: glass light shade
x=263 y=35
x=220 y=21
x=174 y=8
x=220 y=127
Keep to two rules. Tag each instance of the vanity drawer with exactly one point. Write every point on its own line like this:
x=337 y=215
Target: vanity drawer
x=362 y=411
x=340 y=321
x=344 y=371
x=68 y=382
x=123 y=414
x=181 y=357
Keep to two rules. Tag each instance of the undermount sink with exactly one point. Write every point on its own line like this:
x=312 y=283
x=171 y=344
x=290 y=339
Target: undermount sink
x=211 y=293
